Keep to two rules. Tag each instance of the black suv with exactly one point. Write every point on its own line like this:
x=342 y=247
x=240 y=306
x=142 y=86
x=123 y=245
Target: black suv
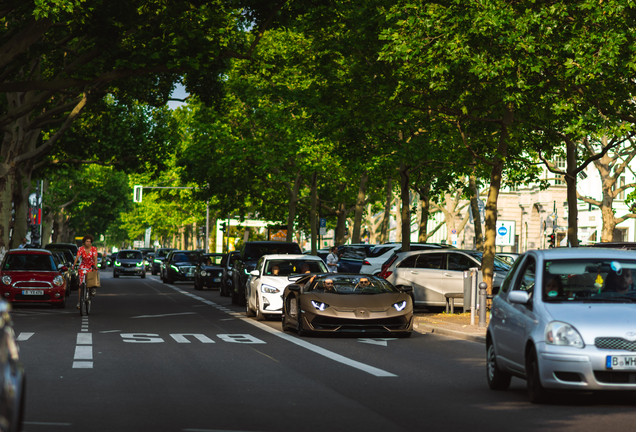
x=250 y=253
x=228 y=273
x=160 y=256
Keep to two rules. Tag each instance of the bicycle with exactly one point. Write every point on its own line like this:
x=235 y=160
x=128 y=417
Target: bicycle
x=85 y=301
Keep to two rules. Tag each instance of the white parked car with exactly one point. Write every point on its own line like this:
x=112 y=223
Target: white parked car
x=265 y=286
x=434 y=273
x=564 y=320
x=381 y=255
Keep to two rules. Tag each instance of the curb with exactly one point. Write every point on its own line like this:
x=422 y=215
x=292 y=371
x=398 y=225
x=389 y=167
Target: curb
x=453 y=333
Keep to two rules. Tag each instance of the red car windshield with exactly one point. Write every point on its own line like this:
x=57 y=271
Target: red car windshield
x=29 y=262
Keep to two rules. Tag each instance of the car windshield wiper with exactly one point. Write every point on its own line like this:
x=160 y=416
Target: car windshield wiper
x=608 y=300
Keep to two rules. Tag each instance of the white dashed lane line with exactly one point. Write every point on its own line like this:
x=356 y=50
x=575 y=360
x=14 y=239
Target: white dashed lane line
x=84 y=348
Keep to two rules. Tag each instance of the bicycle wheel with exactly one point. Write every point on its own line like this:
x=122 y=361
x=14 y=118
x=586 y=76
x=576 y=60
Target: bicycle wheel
x=83 y=301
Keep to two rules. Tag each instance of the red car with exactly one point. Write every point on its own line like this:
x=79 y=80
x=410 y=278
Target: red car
x=31 y=276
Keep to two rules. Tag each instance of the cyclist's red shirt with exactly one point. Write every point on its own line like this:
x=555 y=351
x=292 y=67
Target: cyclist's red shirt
x=87 y=260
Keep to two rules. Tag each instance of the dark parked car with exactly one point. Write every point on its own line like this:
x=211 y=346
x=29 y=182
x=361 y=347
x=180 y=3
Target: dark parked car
x=179 y=265
x=148 y=261
x=72 y=274
x=228 y=273
x=60 y=263
x=351 y=257
x=209 y=271
x=160 y=256
x=250 y=253
x=13 y=388
x=72 y=246
x=101 y=261
x=129 y=263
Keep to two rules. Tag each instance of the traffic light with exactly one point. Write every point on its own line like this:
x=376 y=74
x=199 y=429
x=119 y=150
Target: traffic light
x=223 y=226
x=138 y=193
x=552 y=240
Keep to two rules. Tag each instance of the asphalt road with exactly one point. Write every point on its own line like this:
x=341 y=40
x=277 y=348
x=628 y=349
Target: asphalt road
x=157 y=357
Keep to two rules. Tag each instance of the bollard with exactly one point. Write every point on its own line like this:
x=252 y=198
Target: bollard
x=483 y=294
x=473 y=293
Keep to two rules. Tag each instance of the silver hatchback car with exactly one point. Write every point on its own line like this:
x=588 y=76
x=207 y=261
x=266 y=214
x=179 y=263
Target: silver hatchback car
x=565 y=319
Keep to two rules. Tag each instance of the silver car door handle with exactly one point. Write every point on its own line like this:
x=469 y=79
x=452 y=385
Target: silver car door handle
x=448 y=275
x=414 y=272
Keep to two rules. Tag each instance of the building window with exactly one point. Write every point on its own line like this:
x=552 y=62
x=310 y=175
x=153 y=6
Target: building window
x=621 y=194
x=559 y=163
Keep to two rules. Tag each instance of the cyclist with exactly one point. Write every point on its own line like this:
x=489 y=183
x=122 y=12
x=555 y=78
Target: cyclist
x=88 y=256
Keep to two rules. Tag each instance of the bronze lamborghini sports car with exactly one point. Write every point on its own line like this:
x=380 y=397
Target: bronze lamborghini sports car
x=346 y=303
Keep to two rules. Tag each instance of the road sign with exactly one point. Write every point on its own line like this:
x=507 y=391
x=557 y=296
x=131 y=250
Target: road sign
x=505 y=233
x=454 y=231
x=323 y=226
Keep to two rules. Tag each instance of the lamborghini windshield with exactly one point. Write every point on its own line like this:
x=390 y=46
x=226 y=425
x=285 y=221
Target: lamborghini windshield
x=350 y=284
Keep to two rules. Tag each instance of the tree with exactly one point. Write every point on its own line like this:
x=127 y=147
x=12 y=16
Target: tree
x=57 y=57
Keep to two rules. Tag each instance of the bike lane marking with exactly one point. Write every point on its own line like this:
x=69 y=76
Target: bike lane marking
x=83 y=348
x=297 y=341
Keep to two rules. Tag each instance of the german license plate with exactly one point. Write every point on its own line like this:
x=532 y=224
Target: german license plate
x=32 y=292
x=217 y=279
x=621 y=362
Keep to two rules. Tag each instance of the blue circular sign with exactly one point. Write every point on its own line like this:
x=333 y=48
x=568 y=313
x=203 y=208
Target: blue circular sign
x=502 y=231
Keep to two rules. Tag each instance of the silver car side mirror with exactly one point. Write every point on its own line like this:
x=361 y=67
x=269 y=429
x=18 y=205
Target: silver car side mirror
x=255 y=273
x=519 y=297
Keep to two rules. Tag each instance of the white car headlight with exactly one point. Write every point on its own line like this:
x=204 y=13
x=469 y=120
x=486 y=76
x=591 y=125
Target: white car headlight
x=269 y=289
x=203 y=273
x=58 y=280
x=319 y=305
x=563 y=334
x=400 y=306
x=6 y=280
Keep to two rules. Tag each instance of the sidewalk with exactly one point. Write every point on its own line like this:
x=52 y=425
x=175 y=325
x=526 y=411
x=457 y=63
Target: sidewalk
x=456 y=325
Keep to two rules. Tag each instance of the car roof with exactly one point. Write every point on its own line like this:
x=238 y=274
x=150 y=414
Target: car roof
x=29 y=251
x=583 y=253
x=292 y=256
x=435 y=250
x=268 y=242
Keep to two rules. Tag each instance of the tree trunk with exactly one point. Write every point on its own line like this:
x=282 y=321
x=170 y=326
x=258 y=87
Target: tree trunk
x=570 y=181
x=406 y=207
x=6 y=195
x=607 y=213
x=312 y=214
x=488 y=260
x=384 y=228
x=474 y=206
x=398 y=218
x=21 y=190
x=357 y=219
x=341 y=226
x=291 y=210
x=47 y=226
x=425 y=197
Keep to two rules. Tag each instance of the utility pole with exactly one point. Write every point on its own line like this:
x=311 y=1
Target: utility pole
x=207 y=226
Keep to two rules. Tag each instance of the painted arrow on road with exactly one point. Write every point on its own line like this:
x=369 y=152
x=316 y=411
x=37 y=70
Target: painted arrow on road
x=376 y=341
